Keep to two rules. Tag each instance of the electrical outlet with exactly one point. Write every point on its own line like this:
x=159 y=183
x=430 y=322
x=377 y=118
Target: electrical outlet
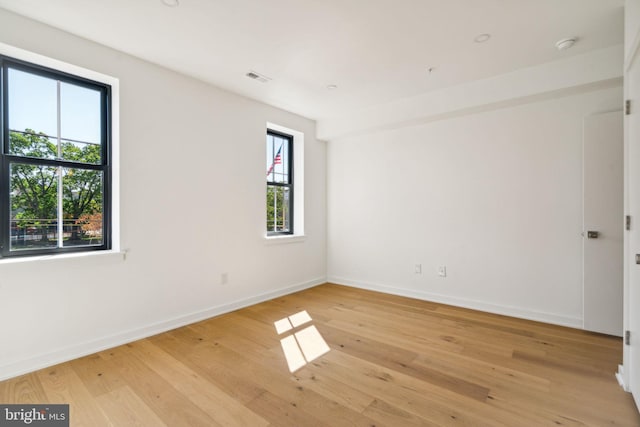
x=224 y=278
x=418 y=269
x=442 y=271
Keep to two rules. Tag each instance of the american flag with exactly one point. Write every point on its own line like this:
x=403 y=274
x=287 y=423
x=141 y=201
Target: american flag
x=277 y=160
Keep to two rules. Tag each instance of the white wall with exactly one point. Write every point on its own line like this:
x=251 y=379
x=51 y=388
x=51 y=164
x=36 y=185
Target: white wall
x=495 y=196
x=631 y=27
x=192 y=208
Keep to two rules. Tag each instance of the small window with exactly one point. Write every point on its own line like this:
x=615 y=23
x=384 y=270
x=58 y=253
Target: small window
x=55 y=161
x=279 y=183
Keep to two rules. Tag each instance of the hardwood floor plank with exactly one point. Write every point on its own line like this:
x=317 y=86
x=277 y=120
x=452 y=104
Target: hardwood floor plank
x=339 y=391
x=423 y=336
x=23 y=389
x=62 y=385
x=125 y=408
x=394 y=416
x=399 y=360
x=492 y=375
x=170 y=405
x=96 y=374
x=281 y=384
x=224 y=409
x=562 y=364
x=421 y=399
x=282 y=413
x=392 y=361
x=204 y=358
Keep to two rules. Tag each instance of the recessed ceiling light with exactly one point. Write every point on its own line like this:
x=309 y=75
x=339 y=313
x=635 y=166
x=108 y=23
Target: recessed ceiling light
x=171 y=3
x=565 y=43
x=332 y=87
x=481 y=38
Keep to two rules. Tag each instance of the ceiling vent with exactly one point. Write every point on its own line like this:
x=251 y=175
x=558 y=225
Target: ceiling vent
x=257 y=76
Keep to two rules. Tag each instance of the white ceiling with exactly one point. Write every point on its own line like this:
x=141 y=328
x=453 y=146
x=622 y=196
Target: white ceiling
x=375 y=51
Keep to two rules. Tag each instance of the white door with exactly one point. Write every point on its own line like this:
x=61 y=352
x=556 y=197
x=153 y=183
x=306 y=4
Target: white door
x=632 y=241
x=603 y=223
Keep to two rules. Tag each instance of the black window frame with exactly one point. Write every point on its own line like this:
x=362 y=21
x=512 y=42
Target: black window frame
x=6 y=159
x=289 y=185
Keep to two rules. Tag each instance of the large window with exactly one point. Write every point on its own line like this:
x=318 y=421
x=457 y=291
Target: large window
x=279 y=183
x=55 y=169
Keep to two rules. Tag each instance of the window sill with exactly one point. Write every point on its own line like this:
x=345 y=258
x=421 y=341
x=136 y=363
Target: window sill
x=281 y=240
x=40 y=258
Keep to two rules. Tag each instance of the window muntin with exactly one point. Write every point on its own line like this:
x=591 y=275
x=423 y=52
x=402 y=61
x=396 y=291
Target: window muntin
x=279 y=164
x=55 y=171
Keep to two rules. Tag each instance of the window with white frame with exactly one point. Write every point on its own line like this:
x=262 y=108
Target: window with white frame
x=55 y=161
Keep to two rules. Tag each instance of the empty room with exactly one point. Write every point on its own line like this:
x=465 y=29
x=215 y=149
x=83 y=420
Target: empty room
x=320 y=213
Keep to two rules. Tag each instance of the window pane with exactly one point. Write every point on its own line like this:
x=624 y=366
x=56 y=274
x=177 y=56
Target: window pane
x=32 y=103
x=81 y=152
x=32 y=145
x=278 y=209
x=80 y=124
x=277 y=159
x=80 y=113
x=33 y=200
x=82 y=206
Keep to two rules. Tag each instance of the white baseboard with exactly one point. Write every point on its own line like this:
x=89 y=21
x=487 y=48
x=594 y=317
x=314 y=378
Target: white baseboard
x=83 y=349
x=556 y=319
x=620 y=377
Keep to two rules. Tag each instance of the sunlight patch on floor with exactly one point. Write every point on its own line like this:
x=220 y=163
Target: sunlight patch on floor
x=292 y=352
x=303 y=346
x=283 y=325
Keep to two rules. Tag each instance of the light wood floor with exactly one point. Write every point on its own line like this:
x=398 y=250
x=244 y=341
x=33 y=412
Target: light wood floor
x=393 y=361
